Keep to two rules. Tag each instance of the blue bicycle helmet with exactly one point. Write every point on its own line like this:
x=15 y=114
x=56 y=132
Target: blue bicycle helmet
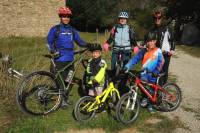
x=123 y=15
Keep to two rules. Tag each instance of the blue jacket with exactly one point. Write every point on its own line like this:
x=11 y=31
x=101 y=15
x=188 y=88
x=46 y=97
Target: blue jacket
x=65 y=42
x=151 y=60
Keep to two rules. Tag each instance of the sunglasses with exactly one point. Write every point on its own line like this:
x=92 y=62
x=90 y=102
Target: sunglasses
x=65 y=16
x=157 y=18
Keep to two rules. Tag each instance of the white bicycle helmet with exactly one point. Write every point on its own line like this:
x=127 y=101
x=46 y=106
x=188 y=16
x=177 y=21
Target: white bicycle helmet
x=123 y=15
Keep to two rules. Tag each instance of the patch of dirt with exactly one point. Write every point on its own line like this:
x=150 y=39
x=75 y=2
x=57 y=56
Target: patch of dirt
x=97 y=130
x=129 y=130
x=153 y=121
x=187 y=70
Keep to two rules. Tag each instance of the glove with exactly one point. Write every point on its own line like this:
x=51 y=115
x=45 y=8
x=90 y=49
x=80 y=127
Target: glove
x=125 y=70
x=106 y=46
x=95 y=83
x=136 y=49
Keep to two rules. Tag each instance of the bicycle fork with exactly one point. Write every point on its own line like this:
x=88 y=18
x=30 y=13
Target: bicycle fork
x=131 y=105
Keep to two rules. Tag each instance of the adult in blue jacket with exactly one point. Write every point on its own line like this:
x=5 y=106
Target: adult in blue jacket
x=61 y=39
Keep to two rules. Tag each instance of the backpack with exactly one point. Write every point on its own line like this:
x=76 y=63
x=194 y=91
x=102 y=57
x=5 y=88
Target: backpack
x=57 y=34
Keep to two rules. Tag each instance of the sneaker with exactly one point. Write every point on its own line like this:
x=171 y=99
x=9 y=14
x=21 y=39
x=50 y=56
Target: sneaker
x=151 y=110
x=143 y=103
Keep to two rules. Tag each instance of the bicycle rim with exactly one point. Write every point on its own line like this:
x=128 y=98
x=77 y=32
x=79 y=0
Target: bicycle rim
x=172 y=100
x=81 y=111
x=127 y=109
x=38 y=94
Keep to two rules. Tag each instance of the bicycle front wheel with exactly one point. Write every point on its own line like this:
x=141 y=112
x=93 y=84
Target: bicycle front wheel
x=127 y=109
x=39 y=93
x=81 y=110
x=171 y=99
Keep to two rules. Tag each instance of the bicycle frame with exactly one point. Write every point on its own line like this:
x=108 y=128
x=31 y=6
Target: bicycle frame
x=153 y=97
x=58 y=73
x=102 y=98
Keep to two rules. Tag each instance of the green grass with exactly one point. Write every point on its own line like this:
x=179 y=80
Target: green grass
x=27 y=56
x=193 y=51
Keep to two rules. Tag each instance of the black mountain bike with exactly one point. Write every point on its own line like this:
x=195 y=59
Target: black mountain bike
x=42 y=92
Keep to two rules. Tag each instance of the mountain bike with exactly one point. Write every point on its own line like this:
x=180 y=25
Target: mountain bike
x=87 y=106
x=42 y=92
x=120 y=61
x=165 y=98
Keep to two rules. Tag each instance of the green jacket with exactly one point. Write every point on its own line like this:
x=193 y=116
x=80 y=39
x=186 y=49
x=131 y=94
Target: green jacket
x=96 y=72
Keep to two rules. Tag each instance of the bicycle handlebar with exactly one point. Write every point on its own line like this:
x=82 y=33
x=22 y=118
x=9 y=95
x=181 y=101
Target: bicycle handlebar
x=137 y=72
x=57 y=55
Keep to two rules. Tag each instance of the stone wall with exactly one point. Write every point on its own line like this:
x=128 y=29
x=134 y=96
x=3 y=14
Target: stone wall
x=28 y=17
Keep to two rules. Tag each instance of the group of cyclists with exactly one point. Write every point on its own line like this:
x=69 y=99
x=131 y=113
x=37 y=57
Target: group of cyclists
x=155 y=54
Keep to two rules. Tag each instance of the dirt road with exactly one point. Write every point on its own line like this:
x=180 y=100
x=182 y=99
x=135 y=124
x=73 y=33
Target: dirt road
x=187 y=70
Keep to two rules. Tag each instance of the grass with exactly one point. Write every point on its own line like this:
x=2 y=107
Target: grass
x=26 y=53
x=192 y=50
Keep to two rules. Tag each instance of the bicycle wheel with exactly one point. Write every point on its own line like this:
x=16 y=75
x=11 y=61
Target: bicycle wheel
x=172 y=99
x=84 y=87
x=127 y=109
x=81 y=112
x=118 y=67
x=39 y=93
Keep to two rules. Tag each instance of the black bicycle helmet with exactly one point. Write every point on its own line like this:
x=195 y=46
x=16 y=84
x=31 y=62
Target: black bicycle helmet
x=151 y=36
x=96 y=46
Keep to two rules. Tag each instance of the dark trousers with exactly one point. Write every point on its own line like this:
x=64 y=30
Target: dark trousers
x=165 y=69
x=60 y=66
x=126 y=55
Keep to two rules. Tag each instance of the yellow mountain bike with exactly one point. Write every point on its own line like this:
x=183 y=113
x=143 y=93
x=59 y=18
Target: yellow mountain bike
x=87 y=106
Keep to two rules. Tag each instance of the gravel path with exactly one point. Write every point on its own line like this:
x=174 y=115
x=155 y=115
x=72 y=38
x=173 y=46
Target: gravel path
x=187 y=70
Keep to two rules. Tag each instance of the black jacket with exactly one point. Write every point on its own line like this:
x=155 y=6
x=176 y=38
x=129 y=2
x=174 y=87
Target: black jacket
x=161 y=31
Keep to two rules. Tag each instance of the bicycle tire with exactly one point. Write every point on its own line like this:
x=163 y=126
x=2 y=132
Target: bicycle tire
x=133 y=113
x=118 y=68
x=167 y=103
x=43 y=90
x=78 y=111
x=84 y=87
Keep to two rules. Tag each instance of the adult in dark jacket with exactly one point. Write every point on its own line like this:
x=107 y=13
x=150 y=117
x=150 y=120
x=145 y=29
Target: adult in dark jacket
x=166 y=42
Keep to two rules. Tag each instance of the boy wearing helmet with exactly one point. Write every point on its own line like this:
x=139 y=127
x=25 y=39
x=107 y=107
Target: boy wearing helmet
x=96 y=71
x=152 y=61
x=123 y=39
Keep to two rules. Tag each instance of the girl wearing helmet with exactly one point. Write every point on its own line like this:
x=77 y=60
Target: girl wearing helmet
x=123 y=39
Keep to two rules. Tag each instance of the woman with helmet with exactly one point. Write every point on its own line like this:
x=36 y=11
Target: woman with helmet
x=61 y=40
x=95 y=72
x=152 y=61
x=123 y=39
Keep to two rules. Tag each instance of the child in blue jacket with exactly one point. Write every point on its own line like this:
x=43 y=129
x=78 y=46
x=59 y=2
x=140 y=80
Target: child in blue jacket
x=152 y=61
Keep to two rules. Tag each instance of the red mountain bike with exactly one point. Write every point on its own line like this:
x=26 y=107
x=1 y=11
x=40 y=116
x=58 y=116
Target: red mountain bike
x=166 y=98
